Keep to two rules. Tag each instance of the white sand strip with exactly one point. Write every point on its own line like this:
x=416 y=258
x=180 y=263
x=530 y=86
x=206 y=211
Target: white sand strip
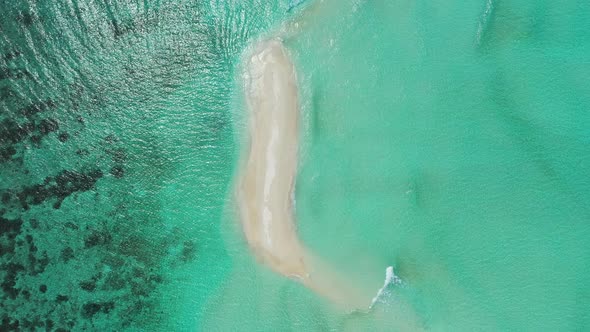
x=265 y=191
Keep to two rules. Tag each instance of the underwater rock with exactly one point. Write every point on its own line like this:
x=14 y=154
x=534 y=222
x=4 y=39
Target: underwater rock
x=36 y=140
x=11 y=228
x=13 y=132
x=117 y=171
x=6 y=197
x=5 y=73
x=97 y=238
x=48 y=126
x=67 y=254
x=35 y=108
x=92 y=308
x=9 y=282
x=34 y=223
x=121 y=29
x=110 y=139
x=7 y=153
x=114 y=282
x=6 y=92
x=118 y=155
x=63 y=137
x=11 y=55
x=89 y=285
x=63 y=185
x=27 y=18
x=189 y=251
x=61 y=298
x=71 y=225
x=9 y=324
x=57 y=204
x=38 y=265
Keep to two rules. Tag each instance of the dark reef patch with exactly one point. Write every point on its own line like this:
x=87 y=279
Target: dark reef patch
x=117 y=171
x=63 y=137
x=34 y=223
x=110 y=139
x=82 y=152
x=34 y=108
x=15 y=74
x=25 y=125
x=119 y=30
x=49 y=324
x=189 y=251
x=114 y=282
x=6 y=92
x=10 y=228
x=10 y=55
x=8 y=284
x=7 y=153
x=61 y=298
x=6 y=197
x=48 y=126
x=88 y=285
x=96 y=238
x=67 y=254
x=118 y=155
x=58 y=188
x=27 y=18
x=9 y=324
x=71 y=226
x=5 y=73
x=37 y=265
x=36 y=140
x=12 y=132
x=92 y=308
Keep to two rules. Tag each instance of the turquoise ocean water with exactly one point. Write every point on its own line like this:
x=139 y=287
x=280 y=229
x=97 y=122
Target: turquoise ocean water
x=449 y=140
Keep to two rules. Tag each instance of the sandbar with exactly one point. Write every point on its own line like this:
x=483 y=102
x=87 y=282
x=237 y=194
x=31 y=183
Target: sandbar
x=267 y=177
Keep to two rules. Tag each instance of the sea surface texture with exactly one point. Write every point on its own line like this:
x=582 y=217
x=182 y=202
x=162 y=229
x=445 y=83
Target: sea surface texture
x=448 y=139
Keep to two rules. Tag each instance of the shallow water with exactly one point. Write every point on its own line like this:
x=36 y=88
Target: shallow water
x=449 y=141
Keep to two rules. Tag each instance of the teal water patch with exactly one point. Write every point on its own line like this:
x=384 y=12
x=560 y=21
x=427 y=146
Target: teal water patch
x=451 y=141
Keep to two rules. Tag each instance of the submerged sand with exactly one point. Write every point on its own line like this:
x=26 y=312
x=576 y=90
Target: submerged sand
x=265 y=189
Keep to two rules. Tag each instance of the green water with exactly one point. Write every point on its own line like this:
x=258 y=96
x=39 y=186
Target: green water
x=448 y=140
x=453 y=143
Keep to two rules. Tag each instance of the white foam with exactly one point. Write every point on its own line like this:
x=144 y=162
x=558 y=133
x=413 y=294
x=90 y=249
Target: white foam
x=484 y=20
x=390 y=278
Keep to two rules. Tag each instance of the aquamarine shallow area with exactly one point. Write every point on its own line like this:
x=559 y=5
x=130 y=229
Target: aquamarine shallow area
x=448 y=140
x=451 y=140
